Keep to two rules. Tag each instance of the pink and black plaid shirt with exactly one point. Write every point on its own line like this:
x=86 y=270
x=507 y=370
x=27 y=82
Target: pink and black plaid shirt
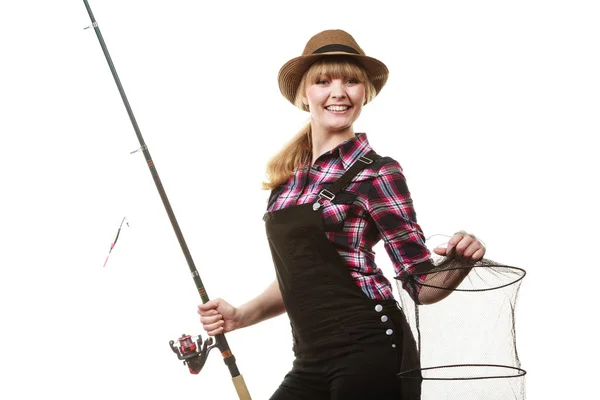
x=375 y=205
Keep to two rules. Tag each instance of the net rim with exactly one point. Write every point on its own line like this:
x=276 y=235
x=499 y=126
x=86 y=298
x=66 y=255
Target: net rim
x=520 y=372
x=413 y=274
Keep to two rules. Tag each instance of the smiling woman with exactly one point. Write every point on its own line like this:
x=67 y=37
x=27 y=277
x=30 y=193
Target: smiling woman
x=333 y=198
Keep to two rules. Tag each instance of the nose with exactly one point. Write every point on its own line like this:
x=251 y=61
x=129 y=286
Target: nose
x=338 y=91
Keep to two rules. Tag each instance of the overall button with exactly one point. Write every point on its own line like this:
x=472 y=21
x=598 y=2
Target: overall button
x=389 y=332
x=384 y=318
x=393 y=346
x=378 y=308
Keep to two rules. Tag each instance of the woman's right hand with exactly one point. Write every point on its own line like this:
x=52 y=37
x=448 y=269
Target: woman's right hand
x=218 y=316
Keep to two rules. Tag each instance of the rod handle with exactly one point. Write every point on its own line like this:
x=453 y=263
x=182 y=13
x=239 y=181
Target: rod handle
x=240 y=388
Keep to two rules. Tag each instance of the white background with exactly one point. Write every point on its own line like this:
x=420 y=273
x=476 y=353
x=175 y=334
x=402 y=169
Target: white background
x=491 y=108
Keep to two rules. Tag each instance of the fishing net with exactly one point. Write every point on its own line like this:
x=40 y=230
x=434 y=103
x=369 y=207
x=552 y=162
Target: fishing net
x=466 y=343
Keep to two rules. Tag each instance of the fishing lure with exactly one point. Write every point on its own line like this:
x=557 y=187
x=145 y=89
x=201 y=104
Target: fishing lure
x=112 y=246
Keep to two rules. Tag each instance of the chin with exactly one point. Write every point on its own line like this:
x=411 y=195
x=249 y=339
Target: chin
x=339 y=127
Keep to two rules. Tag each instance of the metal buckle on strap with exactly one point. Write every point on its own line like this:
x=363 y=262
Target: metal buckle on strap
x=327 y=194
x=365 y=160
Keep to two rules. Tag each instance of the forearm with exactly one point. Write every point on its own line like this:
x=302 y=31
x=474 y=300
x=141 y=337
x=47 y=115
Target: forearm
x=448 y=280
x=266 y=305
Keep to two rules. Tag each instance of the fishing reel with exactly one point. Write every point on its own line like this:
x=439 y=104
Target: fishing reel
x=192 y=353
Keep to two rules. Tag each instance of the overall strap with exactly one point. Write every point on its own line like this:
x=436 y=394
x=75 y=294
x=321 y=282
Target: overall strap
x=361 y=163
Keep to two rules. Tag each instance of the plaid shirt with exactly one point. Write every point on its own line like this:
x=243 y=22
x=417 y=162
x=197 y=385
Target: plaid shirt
x=375 y=205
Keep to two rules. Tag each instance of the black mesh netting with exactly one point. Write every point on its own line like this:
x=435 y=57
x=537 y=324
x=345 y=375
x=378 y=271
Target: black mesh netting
x=466 y=342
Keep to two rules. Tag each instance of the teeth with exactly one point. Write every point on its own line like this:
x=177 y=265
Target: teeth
x=337 y=108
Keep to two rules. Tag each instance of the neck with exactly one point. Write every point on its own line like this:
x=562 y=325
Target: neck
x=324 y=141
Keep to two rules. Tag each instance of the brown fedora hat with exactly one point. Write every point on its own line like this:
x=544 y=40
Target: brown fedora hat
x=327 y=43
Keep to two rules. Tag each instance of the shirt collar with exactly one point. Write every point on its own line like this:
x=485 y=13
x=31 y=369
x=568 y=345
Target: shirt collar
x=350 y=150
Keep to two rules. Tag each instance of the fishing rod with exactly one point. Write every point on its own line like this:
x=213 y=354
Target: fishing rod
x=192 y=354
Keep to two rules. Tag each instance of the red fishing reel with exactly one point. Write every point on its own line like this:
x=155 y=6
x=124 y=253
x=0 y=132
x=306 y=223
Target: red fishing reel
x=192 y=353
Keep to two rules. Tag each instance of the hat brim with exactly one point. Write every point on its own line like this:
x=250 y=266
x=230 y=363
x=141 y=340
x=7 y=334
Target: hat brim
x=291 y=72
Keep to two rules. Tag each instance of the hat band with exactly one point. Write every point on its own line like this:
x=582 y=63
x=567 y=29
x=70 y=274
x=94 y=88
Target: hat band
x=335 y=47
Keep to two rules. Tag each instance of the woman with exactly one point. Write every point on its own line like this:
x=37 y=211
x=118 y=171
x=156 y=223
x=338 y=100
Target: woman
x=332 y=199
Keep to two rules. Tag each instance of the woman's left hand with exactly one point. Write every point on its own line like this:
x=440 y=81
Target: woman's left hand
x=468 y=247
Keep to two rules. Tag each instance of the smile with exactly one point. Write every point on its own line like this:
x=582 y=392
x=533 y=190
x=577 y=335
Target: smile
x=337 y=108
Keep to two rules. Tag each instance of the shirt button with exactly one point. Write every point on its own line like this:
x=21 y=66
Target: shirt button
x=393 y=346
x=378 y=307
x=389 y=332
x=384 y=318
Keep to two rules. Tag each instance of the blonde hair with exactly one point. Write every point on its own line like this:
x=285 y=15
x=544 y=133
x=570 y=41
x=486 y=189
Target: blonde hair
x=298 y=150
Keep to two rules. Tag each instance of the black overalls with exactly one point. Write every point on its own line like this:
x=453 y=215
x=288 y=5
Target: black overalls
x=347 y=346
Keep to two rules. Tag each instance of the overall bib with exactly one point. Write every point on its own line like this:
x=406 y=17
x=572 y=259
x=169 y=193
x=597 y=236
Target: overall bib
x=347 y=346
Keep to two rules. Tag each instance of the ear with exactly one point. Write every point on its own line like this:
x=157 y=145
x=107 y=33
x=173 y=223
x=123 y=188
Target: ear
x=305 y=100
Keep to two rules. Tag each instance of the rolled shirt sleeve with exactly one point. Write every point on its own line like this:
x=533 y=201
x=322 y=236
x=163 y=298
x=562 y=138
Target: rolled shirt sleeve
x=391 y=207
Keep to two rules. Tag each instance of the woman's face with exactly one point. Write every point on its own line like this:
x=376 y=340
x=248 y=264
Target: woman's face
x=334 y=103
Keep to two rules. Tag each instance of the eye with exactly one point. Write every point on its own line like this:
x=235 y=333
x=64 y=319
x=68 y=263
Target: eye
x=322 y=81
x=352 y=81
